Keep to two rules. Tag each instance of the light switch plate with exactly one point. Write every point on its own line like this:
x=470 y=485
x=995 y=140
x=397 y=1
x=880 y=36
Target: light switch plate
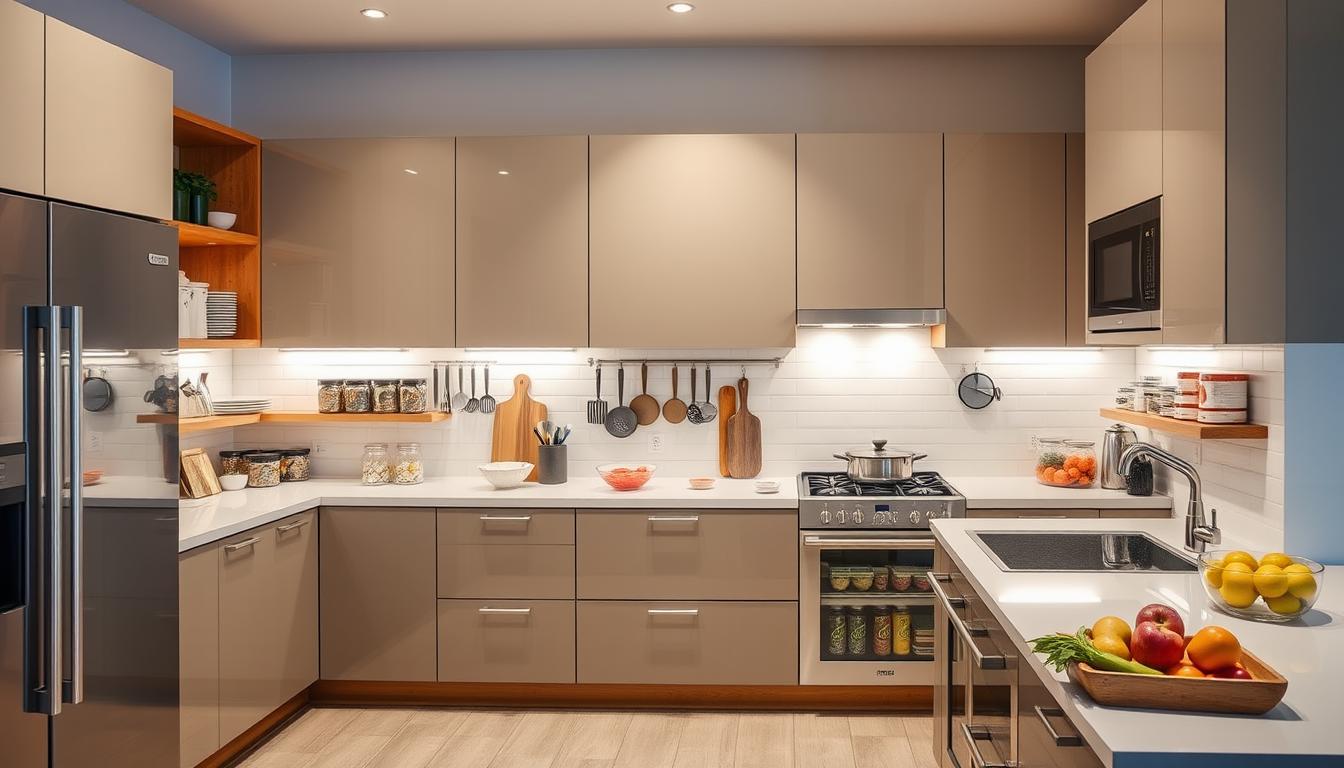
x=656 y=442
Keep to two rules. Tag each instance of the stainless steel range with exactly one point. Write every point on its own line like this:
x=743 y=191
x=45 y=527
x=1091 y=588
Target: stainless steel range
x=865 y=605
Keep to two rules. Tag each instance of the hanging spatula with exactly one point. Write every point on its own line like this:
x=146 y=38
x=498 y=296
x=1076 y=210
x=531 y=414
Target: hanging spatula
x=597 y=409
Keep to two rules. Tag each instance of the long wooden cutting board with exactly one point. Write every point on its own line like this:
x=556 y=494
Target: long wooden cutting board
x=512 y=439
x=744 y=438
x=727 y=407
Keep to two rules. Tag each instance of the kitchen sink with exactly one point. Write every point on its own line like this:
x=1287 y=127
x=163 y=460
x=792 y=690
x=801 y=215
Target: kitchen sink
x=1081 y=551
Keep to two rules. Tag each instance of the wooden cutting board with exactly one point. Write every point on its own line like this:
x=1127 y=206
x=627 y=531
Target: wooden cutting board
x=744 y=438
x=198 y=478
x=514 y=419
x=727 y=407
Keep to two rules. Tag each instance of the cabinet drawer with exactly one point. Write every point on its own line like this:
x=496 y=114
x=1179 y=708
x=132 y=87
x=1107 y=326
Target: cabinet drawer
x=506 y=526
x=506 y=641
x=727 y=643
x=687 y=555
x=1044 y=514
x=540 y=572
x=1123 y=513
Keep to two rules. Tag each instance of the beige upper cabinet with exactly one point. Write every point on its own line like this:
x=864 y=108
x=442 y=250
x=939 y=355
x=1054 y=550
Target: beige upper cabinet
x=692 y=241
x=870 y=221
x=1005 y=240
x=1123 y=113
x=357 y=239
x=522 y=220
x=1075 y=240
x=21 y=96
x=109 y=125
x=1194 y=177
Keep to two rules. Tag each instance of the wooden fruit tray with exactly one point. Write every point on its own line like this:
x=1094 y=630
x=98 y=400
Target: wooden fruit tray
x=1191 y=694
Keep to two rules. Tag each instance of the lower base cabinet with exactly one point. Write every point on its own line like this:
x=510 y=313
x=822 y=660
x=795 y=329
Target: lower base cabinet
x=198 y=638
x=690 y=643
x=506 y=641
x=1045 y=737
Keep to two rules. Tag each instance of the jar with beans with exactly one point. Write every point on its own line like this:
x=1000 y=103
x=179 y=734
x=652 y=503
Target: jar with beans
x=263 y=470
x=410 y=469
x=357 y=396
x=414 y=395
x=295 y=465
x=232 y=463
x=375 y=469
x=329 y=395
x=385 y=396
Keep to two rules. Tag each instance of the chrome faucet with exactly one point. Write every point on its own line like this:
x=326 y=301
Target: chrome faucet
x=1199 y=532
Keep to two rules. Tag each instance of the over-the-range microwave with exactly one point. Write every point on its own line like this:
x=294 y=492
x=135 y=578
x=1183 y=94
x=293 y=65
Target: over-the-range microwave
x=1124 y=270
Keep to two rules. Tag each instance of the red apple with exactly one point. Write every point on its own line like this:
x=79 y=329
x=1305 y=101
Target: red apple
x=1162 y=615
x=1231 y=673
x=1157 y=646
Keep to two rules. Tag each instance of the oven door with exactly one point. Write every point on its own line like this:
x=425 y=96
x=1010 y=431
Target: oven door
x=865 y=608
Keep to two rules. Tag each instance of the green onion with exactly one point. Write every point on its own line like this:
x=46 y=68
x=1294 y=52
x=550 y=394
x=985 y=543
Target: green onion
x=1062 y=649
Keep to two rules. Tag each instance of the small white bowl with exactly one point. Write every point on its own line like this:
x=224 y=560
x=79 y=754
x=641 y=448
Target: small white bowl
x=701 y=483
x=767 y=486
x=233 y=482
x=505 y=474
x=220 y=219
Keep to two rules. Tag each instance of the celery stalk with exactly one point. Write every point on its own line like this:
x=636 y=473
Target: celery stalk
x=1062 y=649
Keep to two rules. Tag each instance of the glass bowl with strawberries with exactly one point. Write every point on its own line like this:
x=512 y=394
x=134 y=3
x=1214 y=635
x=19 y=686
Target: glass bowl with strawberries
x=1066 y=463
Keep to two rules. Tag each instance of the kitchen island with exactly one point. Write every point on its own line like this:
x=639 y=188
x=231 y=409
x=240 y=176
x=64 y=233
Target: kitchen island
x=1303 y=730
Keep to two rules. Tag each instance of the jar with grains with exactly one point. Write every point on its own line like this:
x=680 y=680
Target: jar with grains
x=385 y=396
x=881 y=578
x=861 y=578
x=263 y=470
x=356 y=396
x=329 y=395
x=295 y=465
x=375 y=468
x=414 y=395
x=856 y=622
x=410 y=468
x=232 y=463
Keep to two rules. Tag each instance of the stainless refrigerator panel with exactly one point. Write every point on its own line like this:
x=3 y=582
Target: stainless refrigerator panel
x=122 y=270
x=23 y=281
x=23 y=736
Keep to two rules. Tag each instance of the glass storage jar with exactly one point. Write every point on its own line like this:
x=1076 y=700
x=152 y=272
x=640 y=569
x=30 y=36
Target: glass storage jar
x=356 y=396
x=414 y=395
x=295 y=465
x=263 y=470
x=329 y=395
x=410 y=468
x=232 y=463
x=374 y=468
x=385 y=396
x=1066 y=463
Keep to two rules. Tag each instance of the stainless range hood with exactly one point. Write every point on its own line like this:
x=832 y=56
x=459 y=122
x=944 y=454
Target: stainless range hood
x=871 y=318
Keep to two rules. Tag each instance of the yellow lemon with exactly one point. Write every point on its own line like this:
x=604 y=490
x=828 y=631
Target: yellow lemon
x=1301 y=584
x=1276 y=558
x=1111 y=644
x=1213 y=573
x=1238 y=588
x=1240 y=556
x=1284 y=604
x=1270 y=581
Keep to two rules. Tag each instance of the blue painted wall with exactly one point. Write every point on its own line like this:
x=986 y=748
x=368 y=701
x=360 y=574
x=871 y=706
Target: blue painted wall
x=202 y=74
x=1314 y=423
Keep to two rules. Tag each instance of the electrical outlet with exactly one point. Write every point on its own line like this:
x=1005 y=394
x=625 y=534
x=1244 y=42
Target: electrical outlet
x=321 y=446
x=656 y=442
x=95 y=442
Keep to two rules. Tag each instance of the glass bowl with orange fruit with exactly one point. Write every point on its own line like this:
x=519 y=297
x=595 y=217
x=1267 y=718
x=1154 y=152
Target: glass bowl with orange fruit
x=1066 y=463
x=1273 y=587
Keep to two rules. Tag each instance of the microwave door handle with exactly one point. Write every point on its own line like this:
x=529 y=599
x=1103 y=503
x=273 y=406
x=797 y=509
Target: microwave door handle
x=72 y=688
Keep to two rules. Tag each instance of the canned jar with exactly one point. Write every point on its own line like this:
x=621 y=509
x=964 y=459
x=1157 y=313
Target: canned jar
x=882 y=619
x=410 y=468
x=295 y=465
x=836 y=632
x=1187 y=382
x=900 y=631
x=232 y=462
x=414 y=395
x=374 y=467
x=329 y=396
x=1223 y=391
x=356 y=396
x=263 y=470
x=856 y=625
x=385 y=396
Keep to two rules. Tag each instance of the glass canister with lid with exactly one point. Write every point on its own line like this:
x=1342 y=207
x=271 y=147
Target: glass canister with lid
x=356 y=396
x=233 y=462
x=295 y=465
x=409 y=468
x=329 y=392
x=263 y=470
x=1066 y=463
x=413 y=394
x=375 y=468
x=385 y=395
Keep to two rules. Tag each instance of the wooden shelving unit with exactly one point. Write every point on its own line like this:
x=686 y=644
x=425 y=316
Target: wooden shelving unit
x=1189 y=429
x=205 y=423
x=200 y=423
x=229 y=260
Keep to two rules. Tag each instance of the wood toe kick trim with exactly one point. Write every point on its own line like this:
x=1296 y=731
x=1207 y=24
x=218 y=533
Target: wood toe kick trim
x=259 y=732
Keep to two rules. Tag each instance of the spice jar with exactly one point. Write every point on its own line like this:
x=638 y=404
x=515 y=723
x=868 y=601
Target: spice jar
x=414 y=395
x=374 y=468
x=410 y=469
x=232 y=463
x=385 y=396
x=356 y=396
x=856 y=624
x=329 y=396
x=263 y=470
x=837 y=634
x=295 y=466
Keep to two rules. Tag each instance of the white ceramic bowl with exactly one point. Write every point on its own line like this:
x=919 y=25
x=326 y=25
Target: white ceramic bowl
x=701 y=483
x=220 y=219
x=505 y=474
x=233 y=482
x=767 y=486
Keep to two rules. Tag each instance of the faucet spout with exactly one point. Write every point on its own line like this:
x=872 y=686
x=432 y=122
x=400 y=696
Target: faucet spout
x=1199 y=531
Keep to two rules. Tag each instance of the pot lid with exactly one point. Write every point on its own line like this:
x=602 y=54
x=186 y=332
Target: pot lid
x=878 y=451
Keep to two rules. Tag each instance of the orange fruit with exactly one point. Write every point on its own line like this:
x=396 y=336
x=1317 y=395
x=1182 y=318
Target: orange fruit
x=1185 y=670
x=1213 y=648
x=1061 y=477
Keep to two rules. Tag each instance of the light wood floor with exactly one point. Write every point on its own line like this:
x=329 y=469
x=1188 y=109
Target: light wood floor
x=420 y=738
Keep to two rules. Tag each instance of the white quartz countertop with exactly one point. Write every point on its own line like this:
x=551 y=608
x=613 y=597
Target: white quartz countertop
x=1306 y=729
x=130 y=491
x=1014 y=492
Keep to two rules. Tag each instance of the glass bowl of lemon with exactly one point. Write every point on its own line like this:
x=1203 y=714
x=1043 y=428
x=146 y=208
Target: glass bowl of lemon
x=1273 y=587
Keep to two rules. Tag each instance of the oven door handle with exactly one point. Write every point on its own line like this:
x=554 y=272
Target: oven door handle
x=966 y=632
x=853 y=542
x=973 y=737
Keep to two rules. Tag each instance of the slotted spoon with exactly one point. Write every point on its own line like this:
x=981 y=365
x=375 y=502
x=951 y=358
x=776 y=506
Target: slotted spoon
x=708 y=410
x=487 y=404
x=597 y=409
x=460 y=399
x=693 y=414
x=473 y=403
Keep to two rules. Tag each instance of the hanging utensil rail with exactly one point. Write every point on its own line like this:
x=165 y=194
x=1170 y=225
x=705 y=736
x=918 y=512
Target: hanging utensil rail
x=741 y=361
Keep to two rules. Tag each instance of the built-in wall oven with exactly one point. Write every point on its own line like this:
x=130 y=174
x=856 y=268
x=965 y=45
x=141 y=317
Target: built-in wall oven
x=1124 y=270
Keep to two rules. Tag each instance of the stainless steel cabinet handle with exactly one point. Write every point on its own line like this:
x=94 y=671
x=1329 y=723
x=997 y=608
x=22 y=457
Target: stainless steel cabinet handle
x=1060 y=741
x=674 y=518
x=244 y=544
x=839 y=542
x=294 y=526
x=674 y=611
x=72 y=690
x=514 y=611
x=506 y=518
x=968 y=635
x=973 y=736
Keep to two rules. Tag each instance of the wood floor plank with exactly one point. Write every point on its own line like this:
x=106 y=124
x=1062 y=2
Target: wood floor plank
x=313 y=730
x=651 y=741
x=594 y=740
x=708 y=741
x=919 y=731
x=350 y=750
x=822 y=741
x=379 y=722
x=536 y=740
x=264 y=758
x=423 y=735
x=880 y=742
x=477 y=740
x=764 y=741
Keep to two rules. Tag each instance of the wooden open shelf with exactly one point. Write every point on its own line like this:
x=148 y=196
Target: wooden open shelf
x=200 y=423
x=1189 y=429
x=229 y=343
x=196 y=236
x=205 y=423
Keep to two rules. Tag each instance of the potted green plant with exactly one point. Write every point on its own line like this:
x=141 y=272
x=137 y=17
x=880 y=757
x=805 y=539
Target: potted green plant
x=181 y=195
x=200 y=191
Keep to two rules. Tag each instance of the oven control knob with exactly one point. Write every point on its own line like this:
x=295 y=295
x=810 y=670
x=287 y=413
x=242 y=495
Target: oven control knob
x=858 y=516
x=840 y=517
x=914 y=518
x=825 y=517
x=881 y=518
x=930 y=514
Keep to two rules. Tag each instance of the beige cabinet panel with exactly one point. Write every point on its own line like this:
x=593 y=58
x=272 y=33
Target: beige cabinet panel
x=1194 y=172
x=513 y=525
x=716 y=554
x=692 y=241
x=358 y=250
x=1039 y=514
x=506 y=641
x=378 y=604
x=1125 y=513
x=1075 y=241
x=198 y=654
x=295 y=590
x=700 y=643
x=1036 y=745
x=539 y=571
x=870 y=220
x=1005 y=240
x=109 y=125
x=1123 y=114
x=522 y=220
x=22 y=67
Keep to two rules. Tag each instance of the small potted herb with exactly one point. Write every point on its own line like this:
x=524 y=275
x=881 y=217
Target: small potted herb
x=181 y=195
x=200 y=192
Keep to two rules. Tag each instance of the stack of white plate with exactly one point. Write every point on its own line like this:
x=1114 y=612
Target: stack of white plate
x=240 y=405
x=221 y=314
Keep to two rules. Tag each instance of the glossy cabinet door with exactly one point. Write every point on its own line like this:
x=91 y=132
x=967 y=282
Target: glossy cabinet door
x=378 y=598
x=358 y=243
x=1123 y=114
x=1075 y=240
x=1046 y=738
x=692 y=241
x=1194 y=172
x=109 y=125
x=294 y=588
x=870 y=220
x=22 y=68
x=522 y=224
x=1005 y=240
x=198 y=609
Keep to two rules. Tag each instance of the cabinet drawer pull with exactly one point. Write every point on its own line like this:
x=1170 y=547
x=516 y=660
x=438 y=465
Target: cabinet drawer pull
x=244 y=544
x=511 y=611
x=1045 y=714
x=674 y=518
x=506 y=518
x=294 y=526
x=967 y=633
x=674 y=611
x=973 y=737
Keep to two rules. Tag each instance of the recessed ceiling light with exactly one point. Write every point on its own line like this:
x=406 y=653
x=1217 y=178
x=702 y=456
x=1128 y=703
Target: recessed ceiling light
x=681 y=7
x=412 y=171
x=373 y=13
x=502 y=172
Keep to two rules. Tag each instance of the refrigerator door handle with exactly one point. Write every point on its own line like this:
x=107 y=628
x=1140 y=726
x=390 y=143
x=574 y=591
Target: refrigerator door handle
x=72 y=321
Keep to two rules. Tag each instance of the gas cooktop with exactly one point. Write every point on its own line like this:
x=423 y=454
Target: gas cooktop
x=831 y=500
x=839 y=484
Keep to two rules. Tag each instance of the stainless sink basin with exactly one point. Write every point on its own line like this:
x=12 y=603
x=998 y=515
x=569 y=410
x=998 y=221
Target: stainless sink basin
x=1081 y=551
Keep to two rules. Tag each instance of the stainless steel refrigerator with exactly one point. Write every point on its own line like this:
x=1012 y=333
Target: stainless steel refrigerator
x=88 y=576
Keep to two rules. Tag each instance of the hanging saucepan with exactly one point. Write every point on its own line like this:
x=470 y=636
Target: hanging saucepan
x=877 y=464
